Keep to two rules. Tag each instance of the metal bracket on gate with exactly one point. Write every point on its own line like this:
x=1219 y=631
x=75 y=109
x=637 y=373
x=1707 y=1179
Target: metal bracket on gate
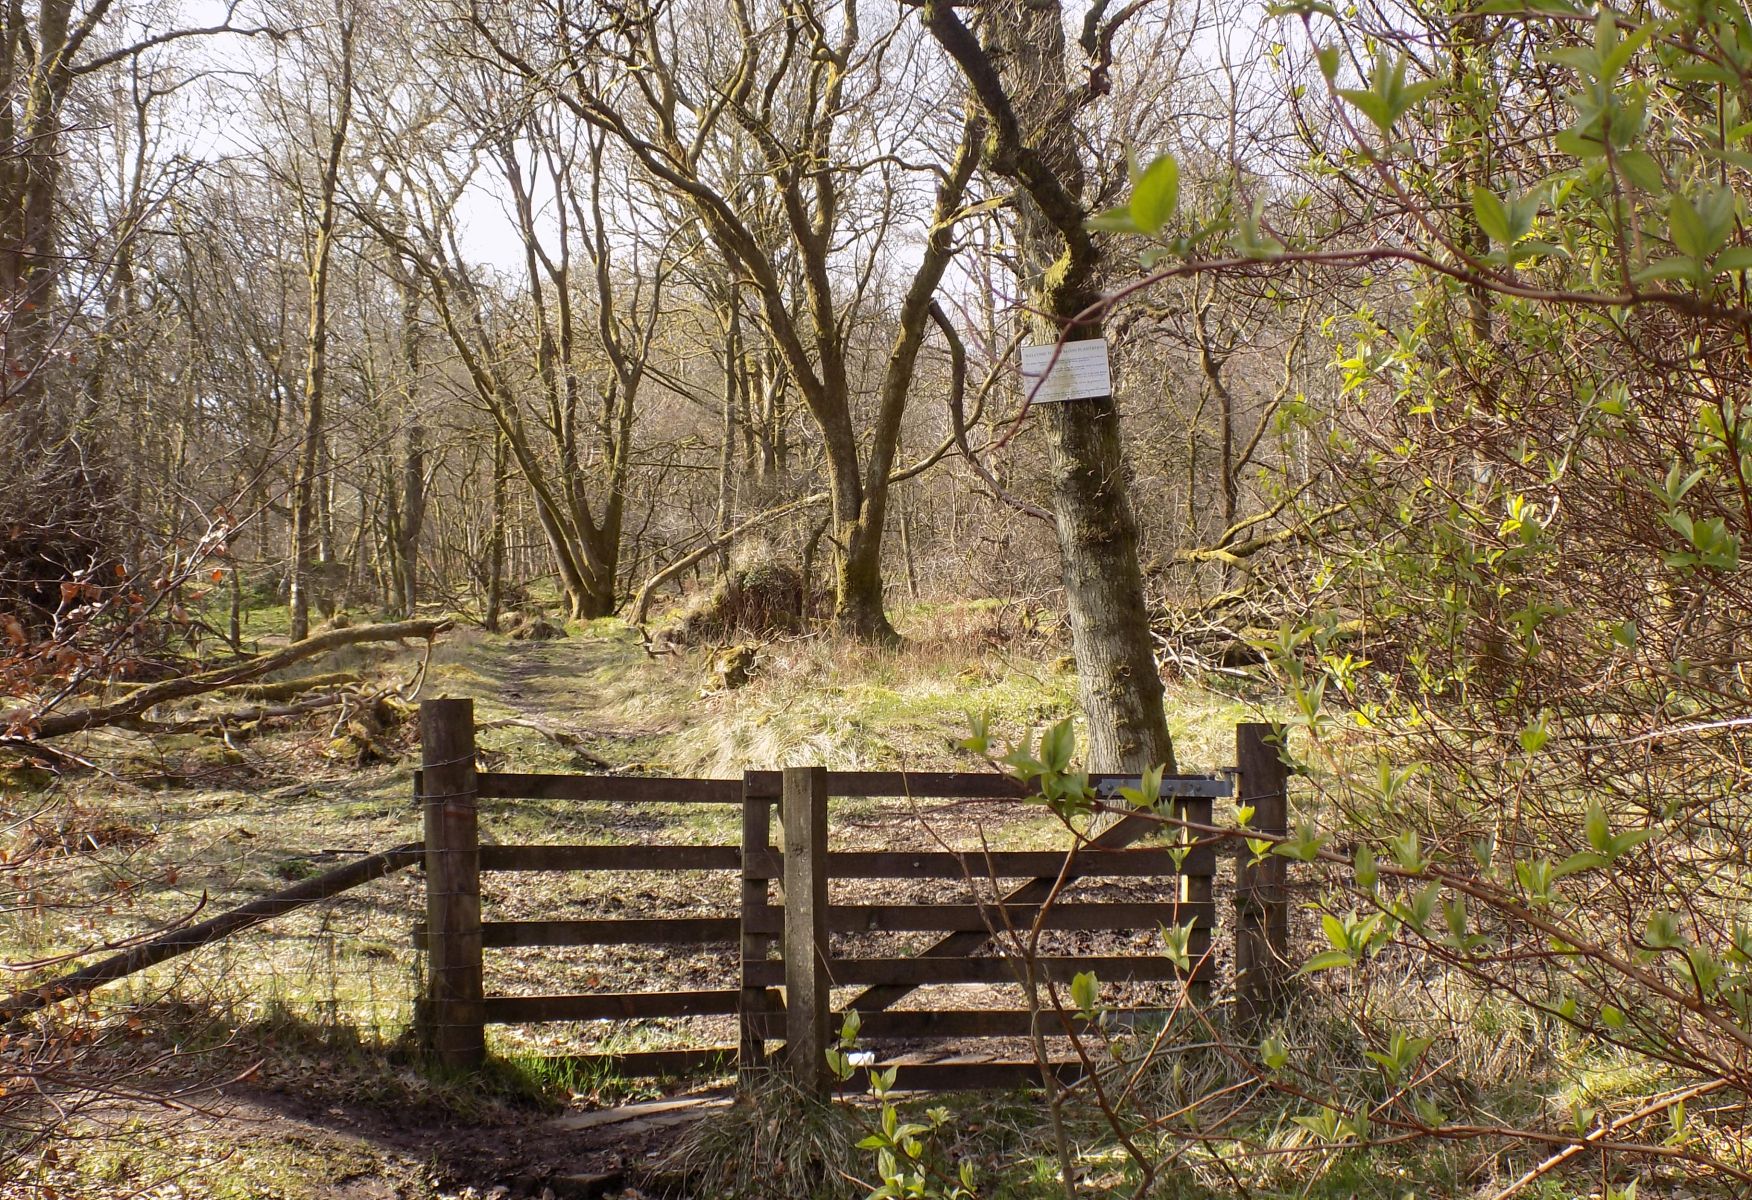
x=1198 y=788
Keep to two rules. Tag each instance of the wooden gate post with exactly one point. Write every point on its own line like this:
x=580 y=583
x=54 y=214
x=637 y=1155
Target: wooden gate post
x=453 y=1016
x=757 y=836
x=1262 y=912
x=804 y=817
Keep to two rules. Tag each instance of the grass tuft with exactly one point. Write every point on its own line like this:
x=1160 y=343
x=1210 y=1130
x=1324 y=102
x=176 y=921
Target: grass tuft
x=773 y=1144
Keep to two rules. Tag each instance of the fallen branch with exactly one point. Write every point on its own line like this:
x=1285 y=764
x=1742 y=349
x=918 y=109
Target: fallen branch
x=232 y=718
x=279 y=689
x=285 y=689
x=1234 y=553
x=195 y=685
x=148 y=954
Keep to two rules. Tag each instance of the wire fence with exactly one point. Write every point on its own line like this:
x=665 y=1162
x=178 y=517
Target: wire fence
x=340 y=963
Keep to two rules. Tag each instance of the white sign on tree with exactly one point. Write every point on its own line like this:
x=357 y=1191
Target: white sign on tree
x=1066 y=371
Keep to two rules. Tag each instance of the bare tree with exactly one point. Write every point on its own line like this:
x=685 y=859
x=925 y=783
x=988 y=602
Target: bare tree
x=683 y=89
x=319 y=252
x=46 y=49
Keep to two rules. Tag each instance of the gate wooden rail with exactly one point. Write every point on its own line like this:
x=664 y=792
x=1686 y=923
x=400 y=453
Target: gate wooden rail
x=790 y=998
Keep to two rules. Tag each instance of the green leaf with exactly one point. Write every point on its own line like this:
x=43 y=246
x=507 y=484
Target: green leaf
x=1177 y=943
x=1429 y=1112
x=1454 y=913
x=1584 y=60
x=1388 y=96
x=1301 y=8
x=1668 y=268
x=1327 y=960
x=1678 y=483
x=1085 y=993
x=1335 y=931
x=1523 y=211
x=1574 y=142
x=1370 y=105
x=1535 y=736
x=1616 y=53
x=1304 y=847
x=1584 y=860
x=1640 y=167
x=1416 y=93
x=1368 y=873
x=1716 y=208
x=1417 y=911
x=1328 y=57
x=1114 y=220
x=1528 y=251
x=1492 y=214
x=1629 y=841
x=1148 y=793
x=1663 y=931
x=1688 y=228
x=1023 y=765
x=1408 y=850
x=979 y=735
x=1704 y=970
x=1254 y=242
x=1734 y=258
x=1057 y=746
x=1156 y=194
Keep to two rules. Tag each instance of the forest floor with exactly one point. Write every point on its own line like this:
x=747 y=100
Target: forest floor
x=276 y=1064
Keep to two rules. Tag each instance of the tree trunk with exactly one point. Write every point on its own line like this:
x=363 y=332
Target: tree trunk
x=722 y=519
x=413 y=516
x=304 y=496
x=36 y=81
x=413 y=498
x=496 y=544
x=858 y=609
x=325 y=504
x=1117 y=678
x=1035 y=145
x=906 y=548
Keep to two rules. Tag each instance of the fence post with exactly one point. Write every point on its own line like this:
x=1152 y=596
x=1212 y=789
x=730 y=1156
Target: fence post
x=757 y=836
x=453 y=1015
x=804 y=818
x=1262 y=913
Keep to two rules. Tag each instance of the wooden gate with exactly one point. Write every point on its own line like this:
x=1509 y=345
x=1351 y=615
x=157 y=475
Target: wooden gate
x=794 y=947
x=818 y=938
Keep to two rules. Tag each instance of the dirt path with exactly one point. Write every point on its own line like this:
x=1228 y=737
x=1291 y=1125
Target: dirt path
x=586 y=1153
x=281 y=1145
